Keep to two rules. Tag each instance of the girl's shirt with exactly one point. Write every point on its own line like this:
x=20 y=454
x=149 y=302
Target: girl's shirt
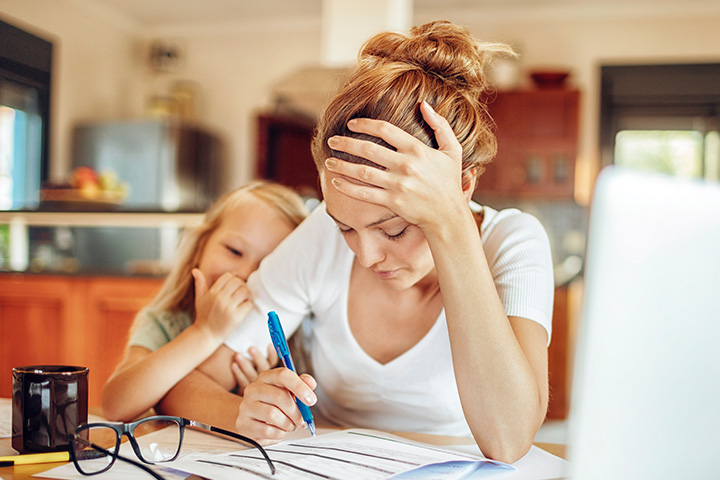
x=308 y=275
x=155 y=329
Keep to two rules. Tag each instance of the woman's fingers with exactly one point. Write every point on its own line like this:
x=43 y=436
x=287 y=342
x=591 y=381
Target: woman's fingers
x=366 y=193
x=444 y=135
x=269 y=400
x=392 y=134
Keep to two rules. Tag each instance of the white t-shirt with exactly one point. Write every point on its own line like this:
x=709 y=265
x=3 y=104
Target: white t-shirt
x=308 y=275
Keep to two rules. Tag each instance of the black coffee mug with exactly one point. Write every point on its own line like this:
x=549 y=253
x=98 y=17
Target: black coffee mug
x=48 y=403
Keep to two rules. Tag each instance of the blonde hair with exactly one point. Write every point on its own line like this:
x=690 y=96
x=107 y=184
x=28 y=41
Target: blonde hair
x=178 y=291
x=440 y=63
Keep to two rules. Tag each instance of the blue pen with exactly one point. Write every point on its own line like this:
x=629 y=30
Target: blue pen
x=278 y=338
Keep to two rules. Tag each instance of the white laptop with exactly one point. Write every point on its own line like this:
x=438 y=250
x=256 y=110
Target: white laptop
x=646 y=387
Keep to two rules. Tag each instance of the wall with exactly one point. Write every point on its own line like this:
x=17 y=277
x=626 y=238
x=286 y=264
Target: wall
x=95 y=70
x=235 y=66
x=582 y=36
x=102 y=70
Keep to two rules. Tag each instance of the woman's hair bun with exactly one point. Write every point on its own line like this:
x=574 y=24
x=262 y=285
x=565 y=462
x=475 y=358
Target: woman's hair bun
x=443 y=49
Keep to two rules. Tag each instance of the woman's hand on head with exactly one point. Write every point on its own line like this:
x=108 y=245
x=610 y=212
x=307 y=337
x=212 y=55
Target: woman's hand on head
x=246 y=370
x=418 y=181
x=268 y=411
x=221 y=307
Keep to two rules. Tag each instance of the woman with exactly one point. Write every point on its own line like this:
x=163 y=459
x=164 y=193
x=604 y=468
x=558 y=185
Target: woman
x=428 y=313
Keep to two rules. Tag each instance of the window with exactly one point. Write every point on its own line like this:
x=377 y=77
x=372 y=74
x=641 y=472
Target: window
x=662 y=118
x=25 y=72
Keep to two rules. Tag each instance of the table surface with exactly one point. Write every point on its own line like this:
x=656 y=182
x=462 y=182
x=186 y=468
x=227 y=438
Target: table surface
x=27 y=471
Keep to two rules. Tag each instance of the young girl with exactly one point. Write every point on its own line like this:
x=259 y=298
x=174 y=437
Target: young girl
x=203 y=298
x=429 y=313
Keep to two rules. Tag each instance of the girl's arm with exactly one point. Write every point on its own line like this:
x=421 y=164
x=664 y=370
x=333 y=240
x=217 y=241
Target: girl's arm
x=265 y=413
x=500 y=363
x=143 y=377
x=204 y=394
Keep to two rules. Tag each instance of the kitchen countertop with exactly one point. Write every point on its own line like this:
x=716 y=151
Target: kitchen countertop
x=100 y=218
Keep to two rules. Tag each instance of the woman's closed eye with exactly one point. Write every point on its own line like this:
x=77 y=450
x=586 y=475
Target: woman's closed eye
x=397 y=236
x=388 y=235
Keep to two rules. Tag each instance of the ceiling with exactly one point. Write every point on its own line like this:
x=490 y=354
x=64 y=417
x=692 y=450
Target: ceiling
x=167 y=13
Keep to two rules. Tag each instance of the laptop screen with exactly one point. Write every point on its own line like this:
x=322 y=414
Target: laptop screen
x=646 y=388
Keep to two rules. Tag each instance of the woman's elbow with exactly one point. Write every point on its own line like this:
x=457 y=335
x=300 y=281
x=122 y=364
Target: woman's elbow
x=508 y=450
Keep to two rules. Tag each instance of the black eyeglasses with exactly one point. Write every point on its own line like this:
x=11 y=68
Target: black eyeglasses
x=94 y=446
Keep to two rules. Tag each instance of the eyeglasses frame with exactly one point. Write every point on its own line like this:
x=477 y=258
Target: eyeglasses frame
x=128 y=429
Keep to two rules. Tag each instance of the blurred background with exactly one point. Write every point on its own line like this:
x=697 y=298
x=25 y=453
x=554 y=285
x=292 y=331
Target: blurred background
x=169 y=103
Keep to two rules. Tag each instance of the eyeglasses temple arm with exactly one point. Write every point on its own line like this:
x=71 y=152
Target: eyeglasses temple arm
x=118 y=456
x=237 y=436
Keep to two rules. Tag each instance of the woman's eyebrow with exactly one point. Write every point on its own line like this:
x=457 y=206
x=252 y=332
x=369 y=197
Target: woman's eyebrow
x=384 y=219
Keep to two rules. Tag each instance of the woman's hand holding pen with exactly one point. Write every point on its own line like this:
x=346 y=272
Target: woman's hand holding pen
x=221 y=307
x=420 y=184
x=268 y=411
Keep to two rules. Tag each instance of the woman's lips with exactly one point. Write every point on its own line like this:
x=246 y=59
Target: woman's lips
x=385 y=274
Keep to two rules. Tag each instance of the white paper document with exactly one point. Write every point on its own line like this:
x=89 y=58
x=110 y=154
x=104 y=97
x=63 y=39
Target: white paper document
x=5 y=417
x=357 y=454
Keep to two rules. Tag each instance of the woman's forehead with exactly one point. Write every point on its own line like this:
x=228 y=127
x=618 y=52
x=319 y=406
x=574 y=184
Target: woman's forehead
x=351 y=211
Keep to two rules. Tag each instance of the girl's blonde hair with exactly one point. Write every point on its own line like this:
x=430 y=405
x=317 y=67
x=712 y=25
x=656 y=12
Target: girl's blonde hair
x=178 y=290
x=438 y=62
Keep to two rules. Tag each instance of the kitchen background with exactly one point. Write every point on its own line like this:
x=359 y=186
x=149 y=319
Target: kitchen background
x=253 y=76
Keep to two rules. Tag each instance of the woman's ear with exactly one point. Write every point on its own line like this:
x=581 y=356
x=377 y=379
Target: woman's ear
x=469 y=182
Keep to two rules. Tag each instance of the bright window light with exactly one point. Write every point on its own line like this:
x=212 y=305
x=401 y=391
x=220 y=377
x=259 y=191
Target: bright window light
x=675 y=152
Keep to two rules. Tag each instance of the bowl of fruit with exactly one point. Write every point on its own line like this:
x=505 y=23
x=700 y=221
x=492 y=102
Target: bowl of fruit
x=87 y=190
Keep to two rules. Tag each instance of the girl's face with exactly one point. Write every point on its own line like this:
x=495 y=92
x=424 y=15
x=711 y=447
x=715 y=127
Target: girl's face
x=396 y=252
x=244 y=237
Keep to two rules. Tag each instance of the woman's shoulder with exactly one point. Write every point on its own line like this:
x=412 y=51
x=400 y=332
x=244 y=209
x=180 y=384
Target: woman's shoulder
x=317 y=224
x=312 y=251
x=508 y=220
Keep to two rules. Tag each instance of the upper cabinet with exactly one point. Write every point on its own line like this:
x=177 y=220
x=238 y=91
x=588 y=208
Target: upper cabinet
x=537 y=133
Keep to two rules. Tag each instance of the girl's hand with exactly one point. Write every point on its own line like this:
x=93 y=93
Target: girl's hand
x=247 y=370
x=268 y=411
x=420 y=184
x=220 y=308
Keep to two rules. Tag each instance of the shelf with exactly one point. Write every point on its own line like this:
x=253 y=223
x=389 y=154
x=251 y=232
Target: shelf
x=19 y=255
x=100 y=219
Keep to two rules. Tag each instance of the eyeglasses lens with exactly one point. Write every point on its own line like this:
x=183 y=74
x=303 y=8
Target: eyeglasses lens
x=153 y=451
x=89 y=460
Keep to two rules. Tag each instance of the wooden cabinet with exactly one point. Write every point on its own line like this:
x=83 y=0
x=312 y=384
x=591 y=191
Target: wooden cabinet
x=68 y=320
x=559 y=374
x=537 y=133
x=284 y=152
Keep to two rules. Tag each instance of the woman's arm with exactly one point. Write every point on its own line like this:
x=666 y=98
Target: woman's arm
x=500 y=363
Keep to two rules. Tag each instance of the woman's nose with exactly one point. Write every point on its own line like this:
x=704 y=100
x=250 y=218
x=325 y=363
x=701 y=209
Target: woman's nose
x=368 y=253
